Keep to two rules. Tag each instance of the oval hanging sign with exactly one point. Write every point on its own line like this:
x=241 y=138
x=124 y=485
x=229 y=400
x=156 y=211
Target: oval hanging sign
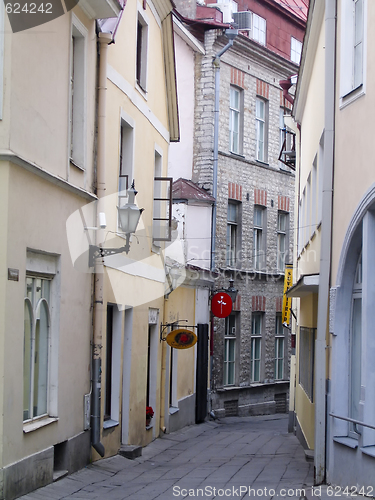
x=181 y=338
x=221 y=305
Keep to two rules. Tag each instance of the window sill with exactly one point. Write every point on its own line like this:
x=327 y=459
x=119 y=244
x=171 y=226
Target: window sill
x=368 y=450
x=38 y=424
x=148 y=427
x=237 y=155
x=141 y=91
x=82 y=169
x=173 y=410
x=346 y=441
x=352 y=96
x=262 y=163
x=108 y=424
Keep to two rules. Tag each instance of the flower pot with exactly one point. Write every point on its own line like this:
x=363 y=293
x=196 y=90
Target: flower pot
x=148 y=421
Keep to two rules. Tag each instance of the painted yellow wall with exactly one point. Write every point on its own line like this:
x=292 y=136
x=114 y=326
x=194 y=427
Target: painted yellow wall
x=180 y=306
x=353 y=147
x=75 y=316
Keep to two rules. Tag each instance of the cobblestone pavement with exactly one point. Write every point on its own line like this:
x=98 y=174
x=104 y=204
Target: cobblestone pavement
x=228 y=458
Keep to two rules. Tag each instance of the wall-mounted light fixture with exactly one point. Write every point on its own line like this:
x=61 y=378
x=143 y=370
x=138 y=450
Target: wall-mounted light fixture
x=129 y=216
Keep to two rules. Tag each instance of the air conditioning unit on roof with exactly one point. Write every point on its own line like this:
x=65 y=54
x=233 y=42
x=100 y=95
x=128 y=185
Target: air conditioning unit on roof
x=243 y=20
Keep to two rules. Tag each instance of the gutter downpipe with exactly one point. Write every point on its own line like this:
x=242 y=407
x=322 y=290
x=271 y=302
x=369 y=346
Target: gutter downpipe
x=104 y=40
x=326 y=239
x=231 y=34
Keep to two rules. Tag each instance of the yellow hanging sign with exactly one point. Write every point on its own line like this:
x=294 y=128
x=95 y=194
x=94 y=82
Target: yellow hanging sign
x=287 y=301
x=181 y=338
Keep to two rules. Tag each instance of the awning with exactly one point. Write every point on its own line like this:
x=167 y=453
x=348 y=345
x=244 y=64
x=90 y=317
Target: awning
x=308 y=283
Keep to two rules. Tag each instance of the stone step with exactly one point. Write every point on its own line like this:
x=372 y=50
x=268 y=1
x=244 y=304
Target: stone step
x=130 y=451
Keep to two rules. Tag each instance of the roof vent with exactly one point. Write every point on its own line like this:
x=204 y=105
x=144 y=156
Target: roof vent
x=243 y=20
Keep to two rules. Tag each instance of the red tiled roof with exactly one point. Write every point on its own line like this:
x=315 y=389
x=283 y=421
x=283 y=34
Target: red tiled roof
x=184 y=189
x=297 y=7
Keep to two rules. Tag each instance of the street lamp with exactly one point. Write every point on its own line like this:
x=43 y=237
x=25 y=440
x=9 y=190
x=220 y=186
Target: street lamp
x=231 y=291
x=129 y=216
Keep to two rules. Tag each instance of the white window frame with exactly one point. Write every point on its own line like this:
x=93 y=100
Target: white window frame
x=235 y=116
x=77 y=94
x=259 y=238
x=355 y=353
x=353 y=48
x=141 y=56
x=279 y=347
x=295 y=50
x=46 y=266
x=256 y=341
x=259 y=29
x=261 y=127
x=282 y=233
x=232 y=233
x=314 y=195
x=230 y=348
x=306 y=360
x=307 y=231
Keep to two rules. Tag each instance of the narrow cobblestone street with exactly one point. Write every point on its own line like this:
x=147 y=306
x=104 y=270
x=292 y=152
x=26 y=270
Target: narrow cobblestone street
x=227 y=458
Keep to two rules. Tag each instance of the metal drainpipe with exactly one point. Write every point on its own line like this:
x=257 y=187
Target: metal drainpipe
x=231 y=34
x=104 y=40
x=325 y=252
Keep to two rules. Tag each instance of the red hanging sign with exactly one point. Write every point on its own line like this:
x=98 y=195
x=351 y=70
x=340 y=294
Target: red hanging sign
x=221 y=305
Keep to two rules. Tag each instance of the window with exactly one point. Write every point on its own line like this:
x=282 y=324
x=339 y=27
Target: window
x=259 y=29
x=355 y=349
x=112 y=366
x=279 y=348
x=162 y=212
x=308 y=210
x=232 y=233
x=126 y=160
x=37 y=346
x=352 y=46
x=306 y=360
x=282 y=247
x=235 y=120
x=295 y=50
x=320 y=168
x=261 y=129
x=77 y=94
x=314 y=194
x=259 y=239
x=256 y=333
x=142 y=47
x=230 y=350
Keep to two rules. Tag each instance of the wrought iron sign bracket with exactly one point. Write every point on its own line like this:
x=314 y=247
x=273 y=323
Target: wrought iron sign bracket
x=164 y=326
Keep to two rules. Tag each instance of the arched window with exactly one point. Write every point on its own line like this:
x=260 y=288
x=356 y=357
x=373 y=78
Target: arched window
x=36 y=347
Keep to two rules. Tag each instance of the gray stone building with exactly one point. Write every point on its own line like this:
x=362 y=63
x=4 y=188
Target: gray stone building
x=253 y=237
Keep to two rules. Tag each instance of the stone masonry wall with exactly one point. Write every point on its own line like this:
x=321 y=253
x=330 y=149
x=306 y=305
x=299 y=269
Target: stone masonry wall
x=241 y=178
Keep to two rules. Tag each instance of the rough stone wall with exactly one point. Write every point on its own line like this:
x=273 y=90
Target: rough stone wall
x=242 y=178
x=187 y=8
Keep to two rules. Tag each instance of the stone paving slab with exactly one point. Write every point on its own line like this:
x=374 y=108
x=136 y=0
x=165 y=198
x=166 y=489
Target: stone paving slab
x=249 y=457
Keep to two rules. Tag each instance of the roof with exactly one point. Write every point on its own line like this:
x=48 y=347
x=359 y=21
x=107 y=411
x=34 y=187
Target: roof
x=297 y=7
x=183 y=189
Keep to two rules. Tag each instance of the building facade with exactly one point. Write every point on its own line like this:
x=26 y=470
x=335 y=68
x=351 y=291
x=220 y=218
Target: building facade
x=47 y=170
x=253 y=217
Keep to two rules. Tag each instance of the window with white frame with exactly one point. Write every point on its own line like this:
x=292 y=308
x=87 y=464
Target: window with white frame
x=352 y=46
x=162 y=208
x=256 y=339
x=308 y=211
x=78 y=94
x=235 y=120
x=259 y=238
x=232 y=232
x=259 y=29
x=282 y=242
x=230 y=350
x=355 y=350
x=141 y=52
x=261 y=129
x=37 y=347
x=283 y=133
x=306 y=360
x=295 y=50
x=320 y=168
x=111 y=393
x=126 y=160
x=279 y=348
x=314 y=194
